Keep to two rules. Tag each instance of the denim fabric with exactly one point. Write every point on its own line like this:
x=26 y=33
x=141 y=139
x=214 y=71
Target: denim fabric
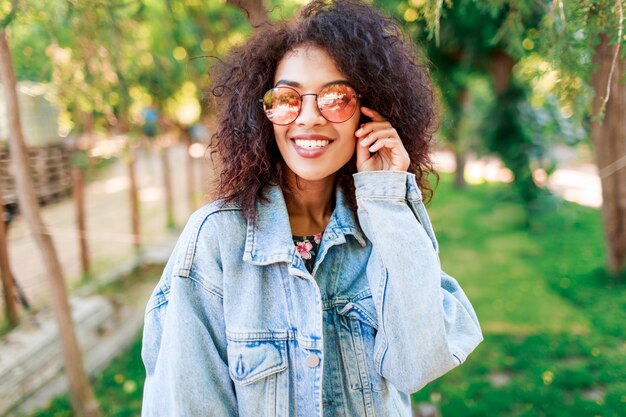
x=237 y=326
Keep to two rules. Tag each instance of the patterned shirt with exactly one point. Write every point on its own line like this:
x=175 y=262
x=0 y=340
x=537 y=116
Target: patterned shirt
x=307 y=247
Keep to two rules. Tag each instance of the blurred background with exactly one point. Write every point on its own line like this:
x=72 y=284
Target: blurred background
x=105 y=150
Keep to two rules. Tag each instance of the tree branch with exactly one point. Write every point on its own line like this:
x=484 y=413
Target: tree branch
x=617 y=48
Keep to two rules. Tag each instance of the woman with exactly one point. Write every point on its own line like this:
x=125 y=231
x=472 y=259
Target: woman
x=313 y=285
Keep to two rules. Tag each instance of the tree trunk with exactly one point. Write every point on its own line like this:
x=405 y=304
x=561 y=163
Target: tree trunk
x=455 y=139
x=83 y=400
x=5 y=272
x=78 y=180
x=459 y=174
x=608 y=135
x=170 y=221
x=501 y=70
x=254 y=9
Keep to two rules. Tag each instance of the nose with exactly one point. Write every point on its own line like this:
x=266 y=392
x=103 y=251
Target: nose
x=309 y=113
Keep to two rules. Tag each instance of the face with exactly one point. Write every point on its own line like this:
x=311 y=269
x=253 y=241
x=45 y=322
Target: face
x=313 y=148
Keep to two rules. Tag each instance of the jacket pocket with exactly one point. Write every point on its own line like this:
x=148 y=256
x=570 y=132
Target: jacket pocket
x=250 y=361
x=357 y=333
x=257 y=367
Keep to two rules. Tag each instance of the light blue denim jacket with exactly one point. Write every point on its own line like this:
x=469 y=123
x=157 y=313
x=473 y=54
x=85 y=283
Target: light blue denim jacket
x=237 y=326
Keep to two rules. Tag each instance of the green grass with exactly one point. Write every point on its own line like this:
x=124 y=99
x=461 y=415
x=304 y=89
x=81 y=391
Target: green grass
x=553 y=322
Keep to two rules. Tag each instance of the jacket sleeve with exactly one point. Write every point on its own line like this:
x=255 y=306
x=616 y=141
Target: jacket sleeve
x=426 y=325
x=184 y=340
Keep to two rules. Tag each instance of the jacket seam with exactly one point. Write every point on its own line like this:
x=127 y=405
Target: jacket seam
x=210 y=289
x=192 y=244
x=381 y=326
x=157 y=305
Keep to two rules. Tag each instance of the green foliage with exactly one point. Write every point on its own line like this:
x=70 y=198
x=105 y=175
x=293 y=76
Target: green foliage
x=109 y=60
x=538 y=108
x=508 y=134
x=7 y=12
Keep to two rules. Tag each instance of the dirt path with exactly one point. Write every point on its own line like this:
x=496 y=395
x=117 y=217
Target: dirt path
x=109 y=229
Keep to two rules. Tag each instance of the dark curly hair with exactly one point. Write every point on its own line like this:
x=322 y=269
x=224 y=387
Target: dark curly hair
x=367 y=47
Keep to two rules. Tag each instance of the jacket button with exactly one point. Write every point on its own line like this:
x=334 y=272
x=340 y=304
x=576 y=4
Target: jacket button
x=312 y=360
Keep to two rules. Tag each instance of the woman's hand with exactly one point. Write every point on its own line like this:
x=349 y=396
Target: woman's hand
x=379 y=147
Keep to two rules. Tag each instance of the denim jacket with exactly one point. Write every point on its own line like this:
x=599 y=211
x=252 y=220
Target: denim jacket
x=237 y=326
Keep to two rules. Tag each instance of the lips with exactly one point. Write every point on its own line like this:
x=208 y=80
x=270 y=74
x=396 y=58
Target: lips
x=310 y=146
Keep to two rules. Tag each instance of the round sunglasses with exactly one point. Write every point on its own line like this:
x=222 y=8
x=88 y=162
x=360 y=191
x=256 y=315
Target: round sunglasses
x=336 y=103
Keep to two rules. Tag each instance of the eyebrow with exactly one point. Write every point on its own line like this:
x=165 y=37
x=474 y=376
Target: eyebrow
x=298 y=85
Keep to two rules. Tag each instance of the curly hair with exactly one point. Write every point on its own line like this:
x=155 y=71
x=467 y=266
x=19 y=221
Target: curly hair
x=368 y=48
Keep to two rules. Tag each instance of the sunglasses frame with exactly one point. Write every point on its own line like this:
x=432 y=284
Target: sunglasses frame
x=301 y=96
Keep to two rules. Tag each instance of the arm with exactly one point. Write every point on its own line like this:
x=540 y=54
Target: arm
x=426 y=324
x=184 y=340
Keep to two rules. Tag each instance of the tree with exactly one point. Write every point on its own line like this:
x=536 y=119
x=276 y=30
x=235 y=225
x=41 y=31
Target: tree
x=608 y=134
x=464 y=40
x=83 y=400
x=580 y=40
x=584 y=43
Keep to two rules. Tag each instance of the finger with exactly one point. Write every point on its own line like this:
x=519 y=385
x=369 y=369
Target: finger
x=367 y=128
x=392 y=144
x=372 y=114
x=362 y=154
x=383 y=133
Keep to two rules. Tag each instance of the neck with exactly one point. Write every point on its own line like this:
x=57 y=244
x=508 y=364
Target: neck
x=310 y=204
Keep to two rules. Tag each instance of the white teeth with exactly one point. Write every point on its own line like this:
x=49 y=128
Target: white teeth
x=310 y=144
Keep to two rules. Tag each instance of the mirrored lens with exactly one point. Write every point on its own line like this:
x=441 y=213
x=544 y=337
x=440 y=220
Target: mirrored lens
x=337 y=102
x=281 y=105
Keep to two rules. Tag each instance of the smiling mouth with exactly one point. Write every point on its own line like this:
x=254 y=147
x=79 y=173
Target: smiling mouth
x=311 y=144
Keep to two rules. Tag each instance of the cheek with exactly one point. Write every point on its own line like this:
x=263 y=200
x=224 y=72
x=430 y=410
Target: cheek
x=276 y=131
x=280 y=133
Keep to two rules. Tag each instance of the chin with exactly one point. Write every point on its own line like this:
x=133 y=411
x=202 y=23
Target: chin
x=314 y=175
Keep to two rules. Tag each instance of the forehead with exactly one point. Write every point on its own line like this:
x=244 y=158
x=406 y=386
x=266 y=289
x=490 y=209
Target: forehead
x=309 y=66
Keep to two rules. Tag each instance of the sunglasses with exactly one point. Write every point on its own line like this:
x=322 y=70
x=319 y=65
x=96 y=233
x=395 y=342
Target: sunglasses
x=336 y=103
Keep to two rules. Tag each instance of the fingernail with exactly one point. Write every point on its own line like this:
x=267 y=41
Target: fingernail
x=358 y=132
x=364 y=141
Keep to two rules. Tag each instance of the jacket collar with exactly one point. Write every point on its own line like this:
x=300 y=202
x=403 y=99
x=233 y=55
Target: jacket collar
x=269 y=239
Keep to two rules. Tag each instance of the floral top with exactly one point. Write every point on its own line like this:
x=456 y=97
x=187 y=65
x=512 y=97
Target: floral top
x=307 y=247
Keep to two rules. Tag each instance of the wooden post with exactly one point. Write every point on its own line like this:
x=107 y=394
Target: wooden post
x=78 y=185
x=5 y=272
x=134 y=198
x=167 y=187
x=81 y=394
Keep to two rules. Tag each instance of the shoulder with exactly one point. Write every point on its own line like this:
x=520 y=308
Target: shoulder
x=213 y=230
x=212 y=217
